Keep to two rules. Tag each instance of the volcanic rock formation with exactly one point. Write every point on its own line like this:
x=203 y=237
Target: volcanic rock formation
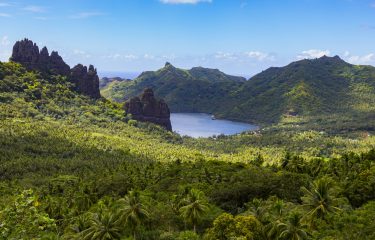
x=27 y=53
x=86 y=80
x=148 y=109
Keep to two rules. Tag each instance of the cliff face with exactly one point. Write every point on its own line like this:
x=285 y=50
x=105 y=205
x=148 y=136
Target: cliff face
x=148 y=109
x=86 y=80
x=27 y=53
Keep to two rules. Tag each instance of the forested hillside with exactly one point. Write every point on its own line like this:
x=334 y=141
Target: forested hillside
x=76 y=167
x=195 y=90
x=315 y=91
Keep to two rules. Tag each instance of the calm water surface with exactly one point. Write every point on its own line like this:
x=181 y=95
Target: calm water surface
x=201 y=125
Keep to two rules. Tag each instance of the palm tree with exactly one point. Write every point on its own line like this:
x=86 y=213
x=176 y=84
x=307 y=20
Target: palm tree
x=103 y=226
x=132 y=211
x=194 y=207
x=272 y=228
x=293 y=229
x=77 y=226
x=320 y=200
x=256 y=208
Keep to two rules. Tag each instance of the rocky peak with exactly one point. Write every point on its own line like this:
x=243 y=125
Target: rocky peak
x=148 y=95
x=27 y=53
x=86 y=80
x=148 y=109
x=169 y=66
x=44 y=56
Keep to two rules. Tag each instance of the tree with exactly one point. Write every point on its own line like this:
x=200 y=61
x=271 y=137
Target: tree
x=194 y=206
x=103 y=226
x=320 y=199
x=293 y=229
x=188 y=235
x=277 y=210
x=256 y=208
x=132 y=211
x=226 y=227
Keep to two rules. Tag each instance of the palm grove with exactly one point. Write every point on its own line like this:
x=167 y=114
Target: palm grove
x=76 y=167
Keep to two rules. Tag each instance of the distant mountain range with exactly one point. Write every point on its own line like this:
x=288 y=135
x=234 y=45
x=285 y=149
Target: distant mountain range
x=327 y=86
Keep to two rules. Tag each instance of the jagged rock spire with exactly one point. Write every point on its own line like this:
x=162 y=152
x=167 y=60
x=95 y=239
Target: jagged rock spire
x=148 y=109
x=27 y=53
x=86 y=80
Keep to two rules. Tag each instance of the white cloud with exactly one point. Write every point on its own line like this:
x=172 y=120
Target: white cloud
x=4 y=41
x=313 y=53
x=83 y=15
x=260 y=56
x=81 y=53
x=6 y=15
x=356 y=59
x=148 y=56
x=4 y=4
x=34 y=9
x=184 y=1
x=225 y=56
x=4 y=48
x=245 y=56
x=127 y=57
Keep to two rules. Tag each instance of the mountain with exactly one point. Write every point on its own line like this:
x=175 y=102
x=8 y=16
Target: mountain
x=323 y=87
x=195 y=90
x=105 y=81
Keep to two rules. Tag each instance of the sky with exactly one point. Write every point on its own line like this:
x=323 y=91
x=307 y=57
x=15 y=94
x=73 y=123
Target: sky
x=240 y=37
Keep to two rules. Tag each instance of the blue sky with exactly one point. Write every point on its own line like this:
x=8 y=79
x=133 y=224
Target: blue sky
x=237 y=36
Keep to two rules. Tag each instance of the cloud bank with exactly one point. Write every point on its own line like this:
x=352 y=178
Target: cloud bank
x=313 y=53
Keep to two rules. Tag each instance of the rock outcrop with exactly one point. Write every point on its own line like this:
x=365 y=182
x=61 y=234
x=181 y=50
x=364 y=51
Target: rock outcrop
x=148 y=109
x=86 y=80
x=27 y=53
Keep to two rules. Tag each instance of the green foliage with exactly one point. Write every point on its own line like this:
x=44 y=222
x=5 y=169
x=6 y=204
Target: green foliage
x=83 y=159
x=293 y=229
x=132 y=211
x=194 y=206
x=320 y=199
x=240 y=227
x=188 y=235
x=357 y=224
x=103 y=226
x=23 y=218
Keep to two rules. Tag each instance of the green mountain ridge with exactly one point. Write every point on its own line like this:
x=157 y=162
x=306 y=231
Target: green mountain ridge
x=314 y=88
x=184 y=90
